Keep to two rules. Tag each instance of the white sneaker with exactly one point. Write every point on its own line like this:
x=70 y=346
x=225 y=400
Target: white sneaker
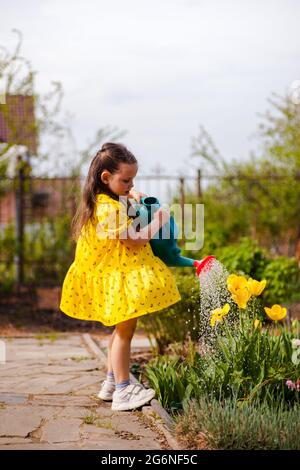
x=107 y=390
x=131 y=397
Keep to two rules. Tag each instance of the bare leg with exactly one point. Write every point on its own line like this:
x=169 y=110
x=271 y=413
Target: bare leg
x=109 y=366
x=120 y=349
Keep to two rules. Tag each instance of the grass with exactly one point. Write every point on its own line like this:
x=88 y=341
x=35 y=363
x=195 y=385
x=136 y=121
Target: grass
x=98 y=421
x=79 y=358
x=228 y=424
x=48 y=336
x=90 y=419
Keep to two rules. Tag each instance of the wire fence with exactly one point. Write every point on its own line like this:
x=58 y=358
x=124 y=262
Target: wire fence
x=36 y=214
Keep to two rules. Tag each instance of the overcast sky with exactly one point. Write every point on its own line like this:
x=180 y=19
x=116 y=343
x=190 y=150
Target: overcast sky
x=160 y=68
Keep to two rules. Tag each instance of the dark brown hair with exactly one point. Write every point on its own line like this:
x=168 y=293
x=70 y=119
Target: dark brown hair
x=108 y=158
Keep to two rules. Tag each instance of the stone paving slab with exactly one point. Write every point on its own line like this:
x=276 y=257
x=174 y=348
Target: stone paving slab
x=48 y=400
x=62 y=400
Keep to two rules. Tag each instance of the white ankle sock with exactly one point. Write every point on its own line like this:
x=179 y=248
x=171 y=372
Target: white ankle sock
x=110 y=377
x=120 y=386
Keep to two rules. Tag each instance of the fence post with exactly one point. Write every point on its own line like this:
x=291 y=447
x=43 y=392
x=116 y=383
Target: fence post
x=19 y=258
x=199 y=189
x=182 y=197
x=182 y=201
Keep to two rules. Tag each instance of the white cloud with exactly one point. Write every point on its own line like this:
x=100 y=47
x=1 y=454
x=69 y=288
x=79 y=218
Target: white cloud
x=159 y=69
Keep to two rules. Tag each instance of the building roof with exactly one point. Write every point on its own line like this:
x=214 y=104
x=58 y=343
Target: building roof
x=17 y=122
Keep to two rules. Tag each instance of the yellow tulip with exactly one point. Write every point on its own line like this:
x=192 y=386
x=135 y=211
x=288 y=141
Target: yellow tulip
x=218 y=314
x=241 y=297
x=235 y=283
x=256 y=287
x=257 y=324
x=276 y=312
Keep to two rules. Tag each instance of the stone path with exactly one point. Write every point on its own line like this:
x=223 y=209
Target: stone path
x=48 y=400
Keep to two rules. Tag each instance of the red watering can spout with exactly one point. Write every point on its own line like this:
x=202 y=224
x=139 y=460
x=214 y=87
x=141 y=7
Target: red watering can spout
x=204 y=265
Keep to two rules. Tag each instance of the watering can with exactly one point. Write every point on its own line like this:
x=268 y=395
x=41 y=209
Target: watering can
x=164 y=243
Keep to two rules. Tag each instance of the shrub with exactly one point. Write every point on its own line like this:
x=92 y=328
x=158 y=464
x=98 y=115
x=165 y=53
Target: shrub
x=47 y=252
x=7 y=250
x=244 y=258
x=283 y=280
x=282 y=274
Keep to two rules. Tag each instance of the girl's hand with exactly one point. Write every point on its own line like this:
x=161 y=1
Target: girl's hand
x=136 y=195
x=163 y=216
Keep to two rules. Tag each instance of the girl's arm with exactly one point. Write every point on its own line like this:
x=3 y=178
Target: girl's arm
x=134 y=238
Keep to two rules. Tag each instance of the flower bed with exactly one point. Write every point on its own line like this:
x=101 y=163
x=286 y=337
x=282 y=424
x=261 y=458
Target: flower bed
x=249 y=367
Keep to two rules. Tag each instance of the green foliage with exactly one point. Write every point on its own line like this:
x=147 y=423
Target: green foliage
x=7 y=243
x=7 y=250
x=170 y=380
x=48 y=251
x=246 y=364
x=224 y=424
x=246 y=257
x=6 y=276
x=283 y=281
x=282 y=273
x=249 y=363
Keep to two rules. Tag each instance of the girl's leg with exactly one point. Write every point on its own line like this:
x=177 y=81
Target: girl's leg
x=120 y=349
x=127 y=396
x=109 y=366
x=108 y=386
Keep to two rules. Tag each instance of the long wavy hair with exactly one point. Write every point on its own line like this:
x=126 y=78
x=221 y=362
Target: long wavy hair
x=108 y=158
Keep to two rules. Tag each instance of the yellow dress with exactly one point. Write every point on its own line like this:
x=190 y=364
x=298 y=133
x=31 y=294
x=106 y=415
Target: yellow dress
x=109 y=281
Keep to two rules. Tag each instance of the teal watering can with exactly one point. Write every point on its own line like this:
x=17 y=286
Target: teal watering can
x=164 y=243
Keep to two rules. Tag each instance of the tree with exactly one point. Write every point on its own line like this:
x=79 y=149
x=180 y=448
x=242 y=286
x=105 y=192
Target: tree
x=259 y=197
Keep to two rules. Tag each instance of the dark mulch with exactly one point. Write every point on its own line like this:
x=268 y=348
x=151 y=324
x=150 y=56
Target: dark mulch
x=21 y=312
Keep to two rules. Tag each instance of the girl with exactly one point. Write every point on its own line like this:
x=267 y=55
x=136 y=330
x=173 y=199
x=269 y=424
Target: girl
x=115 y=277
